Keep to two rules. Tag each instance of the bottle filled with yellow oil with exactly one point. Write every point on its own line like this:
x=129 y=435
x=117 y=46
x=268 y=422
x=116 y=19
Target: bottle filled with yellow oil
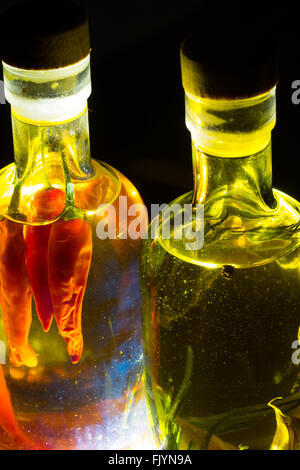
x=220 y=272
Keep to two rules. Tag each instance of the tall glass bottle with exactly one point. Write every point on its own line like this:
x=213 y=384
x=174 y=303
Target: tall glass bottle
x=221 y=293
x=69 y=291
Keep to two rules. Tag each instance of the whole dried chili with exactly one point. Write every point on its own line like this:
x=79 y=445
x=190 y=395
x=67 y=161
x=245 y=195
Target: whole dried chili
x=9 y=423
x=15 y=293
x=47 y=204
x=7 y=417
x=69 y=258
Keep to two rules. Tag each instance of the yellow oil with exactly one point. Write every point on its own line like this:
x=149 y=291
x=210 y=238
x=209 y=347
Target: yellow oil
x=218 y=338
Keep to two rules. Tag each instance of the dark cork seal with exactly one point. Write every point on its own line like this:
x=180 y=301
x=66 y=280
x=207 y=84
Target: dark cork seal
x=230 y=62
x=44 y=35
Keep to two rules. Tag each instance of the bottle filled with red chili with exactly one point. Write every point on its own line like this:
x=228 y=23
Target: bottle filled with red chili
x=71 y=377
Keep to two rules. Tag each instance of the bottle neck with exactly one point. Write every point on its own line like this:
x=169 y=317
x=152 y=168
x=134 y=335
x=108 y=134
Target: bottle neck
x=231 y=142
x=49 y=156
x=50 y=128
x=51 y=152
x=49 y=117
x=247 y=178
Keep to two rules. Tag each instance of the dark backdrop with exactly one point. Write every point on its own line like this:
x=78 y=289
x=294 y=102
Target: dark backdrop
x=137 y=103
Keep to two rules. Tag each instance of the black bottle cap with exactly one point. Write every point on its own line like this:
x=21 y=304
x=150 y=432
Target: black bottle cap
x=44 y=35
x=230 y=61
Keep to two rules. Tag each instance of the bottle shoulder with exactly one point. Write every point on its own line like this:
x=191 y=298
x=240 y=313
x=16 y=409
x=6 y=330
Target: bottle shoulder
x=235 y=231
x=103 y=188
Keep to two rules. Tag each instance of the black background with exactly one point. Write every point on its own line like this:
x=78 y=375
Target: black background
x=137 y=121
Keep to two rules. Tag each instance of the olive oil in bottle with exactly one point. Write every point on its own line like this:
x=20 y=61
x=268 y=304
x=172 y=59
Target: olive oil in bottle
x=220 y=321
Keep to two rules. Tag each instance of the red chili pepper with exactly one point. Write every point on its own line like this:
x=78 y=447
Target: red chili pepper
x=9 y=423
x=69 y=257
x=7 y=417
x=47 y=204
x=15 y=293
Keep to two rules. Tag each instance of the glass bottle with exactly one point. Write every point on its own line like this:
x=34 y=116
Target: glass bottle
x=221 y=288
x=59 y=391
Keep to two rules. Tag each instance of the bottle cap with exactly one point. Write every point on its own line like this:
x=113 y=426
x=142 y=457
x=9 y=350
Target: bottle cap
x=229 y=61
x=38 y=36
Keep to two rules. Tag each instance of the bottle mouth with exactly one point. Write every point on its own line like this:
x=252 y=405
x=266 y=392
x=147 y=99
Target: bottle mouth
x=231 y=128
x=52 y=96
